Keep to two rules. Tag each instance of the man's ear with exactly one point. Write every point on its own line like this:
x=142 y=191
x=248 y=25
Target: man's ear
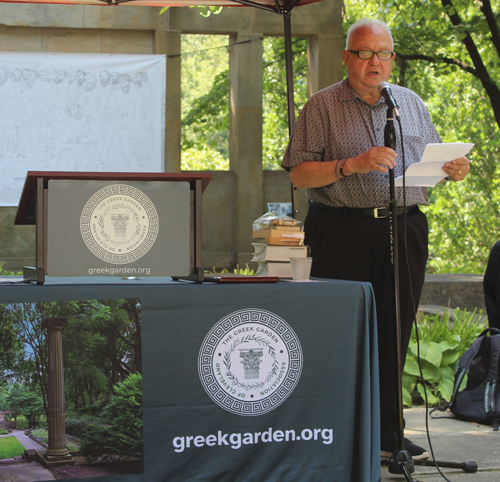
x=345 y=57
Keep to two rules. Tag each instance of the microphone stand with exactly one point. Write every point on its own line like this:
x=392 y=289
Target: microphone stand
x=401 y=462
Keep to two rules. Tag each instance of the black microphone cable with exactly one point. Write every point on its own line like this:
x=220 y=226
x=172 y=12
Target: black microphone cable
x=413 y=305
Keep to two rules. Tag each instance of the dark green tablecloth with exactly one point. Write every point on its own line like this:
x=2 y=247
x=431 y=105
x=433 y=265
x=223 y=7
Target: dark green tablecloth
x=331 y=407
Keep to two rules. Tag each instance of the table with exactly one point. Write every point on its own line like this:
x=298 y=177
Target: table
x=260 y=382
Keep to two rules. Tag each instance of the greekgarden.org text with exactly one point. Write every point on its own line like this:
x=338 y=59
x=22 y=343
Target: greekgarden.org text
x=125 y=270
x=237 y=440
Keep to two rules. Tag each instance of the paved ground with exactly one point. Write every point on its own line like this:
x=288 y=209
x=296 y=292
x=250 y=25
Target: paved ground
x=16 y=470
x=452 y=441
x=24 y=472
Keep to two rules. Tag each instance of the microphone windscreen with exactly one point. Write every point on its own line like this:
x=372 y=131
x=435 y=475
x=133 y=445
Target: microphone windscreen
x=383 y=85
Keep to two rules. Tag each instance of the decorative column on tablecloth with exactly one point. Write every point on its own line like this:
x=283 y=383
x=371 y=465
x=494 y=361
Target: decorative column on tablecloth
x=57 y=452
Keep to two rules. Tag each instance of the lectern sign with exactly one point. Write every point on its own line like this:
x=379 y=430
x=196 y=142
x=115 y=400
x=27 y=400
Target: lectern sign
x=119 y=224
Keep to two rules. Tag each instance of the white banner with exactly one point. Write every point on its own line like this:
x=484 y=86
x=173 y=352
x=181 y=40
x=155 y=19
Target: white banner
x=79 y=112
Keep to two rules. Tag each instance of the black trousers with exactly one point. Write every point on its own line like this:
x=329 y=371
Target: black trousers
x=357 y=248
x=491 y=287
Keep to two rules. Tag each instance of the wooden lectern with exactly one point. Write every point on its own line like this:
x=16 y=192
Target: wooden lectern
x=33 y=209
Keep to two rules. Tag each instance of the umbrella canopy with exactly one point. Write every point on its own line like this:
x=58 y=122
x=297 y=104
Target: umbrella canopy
x=275 y=6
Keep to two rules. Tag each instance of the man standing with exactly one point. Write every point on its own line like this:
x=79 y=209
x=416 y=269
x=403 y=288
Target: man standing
x=336 y=151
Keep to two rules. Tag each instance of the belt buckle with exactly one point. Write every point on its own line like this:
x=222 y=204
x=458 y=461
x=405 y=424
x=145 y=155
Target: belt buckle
x=376 y=214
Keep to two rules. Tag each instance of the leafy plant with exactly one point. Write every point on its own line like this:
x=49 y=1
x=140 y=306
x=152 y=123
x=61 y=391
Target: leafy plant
x=78 y=426
x=443 y=340
x=3 y=431
x=26 y=403
x=4 y=272
x=246 y=271
x=205 y=11
x=204 y=159
x=123 y=436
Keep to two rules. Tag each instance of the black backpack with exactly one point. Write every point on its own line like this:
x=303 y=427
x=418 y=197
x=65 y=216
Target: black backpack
x=479 y=401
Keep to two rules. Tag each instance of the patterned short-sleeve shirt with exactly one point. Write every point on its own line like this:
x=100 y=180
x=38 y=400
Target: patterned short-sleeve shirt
x=337 y=123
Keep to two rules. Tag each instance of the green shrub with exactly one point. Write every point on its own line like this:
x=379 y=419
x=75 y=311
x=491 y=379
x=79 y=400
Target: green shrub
x=123 y=436
x=41 y=434
x=246 y=271
x=78 y=426
x=28 y=404
x=3 y=431
x=4 y=272
x=92 y=410
x=442 y=342
x=22 y=422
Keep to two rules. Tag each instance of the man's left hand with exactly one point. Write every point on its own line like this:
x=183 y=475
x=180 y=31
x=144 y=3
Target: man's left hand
x=457 y=169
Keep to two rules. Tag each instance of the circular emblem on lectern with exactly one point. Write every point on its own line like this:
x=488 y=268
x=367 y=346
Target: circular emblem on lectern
x=250 y=362
x=119 y=224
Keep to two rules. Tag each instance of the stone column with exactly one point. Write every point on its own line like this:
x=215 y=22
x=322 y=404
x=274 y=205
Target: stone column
x=169 y=43
x=57 y=453
x=324 y=61
x=245 y=137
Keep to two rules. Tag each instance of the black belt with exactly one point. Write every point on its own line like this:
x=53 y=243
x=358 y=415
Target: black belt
x=378 y=213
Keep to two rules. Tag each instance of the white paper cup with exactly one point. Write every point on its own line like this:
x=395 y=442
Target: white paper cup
x=301 y=267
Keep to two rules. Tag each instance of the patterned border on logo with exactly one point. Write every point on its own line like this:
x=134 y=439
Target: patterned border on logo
x=223 y=388
x=149 y=237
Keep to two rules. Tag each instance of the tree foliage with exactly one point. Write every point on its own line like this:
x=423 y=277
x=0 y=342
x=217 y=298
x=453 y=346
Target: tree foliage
x=275 y=129
x=26 y=403
x=448 y=51
x=205 y=102
x=123 y=435
x=101 y=347
x=205 y=122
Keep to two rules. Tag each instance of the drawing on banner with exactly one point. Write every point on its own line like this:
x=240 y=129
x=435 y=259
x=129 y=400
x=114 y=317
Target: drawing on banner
x=79 y=112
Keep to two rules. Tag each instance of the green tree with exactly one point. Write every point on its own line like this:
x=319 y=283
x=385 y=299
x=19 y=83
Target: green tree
x=102 y=346
x=275 y=128
x=205 y=102
x=11 y=349
x=123 y=436
x=26 y=321
x=205 y=122
x=448 y=52
x=27 y=403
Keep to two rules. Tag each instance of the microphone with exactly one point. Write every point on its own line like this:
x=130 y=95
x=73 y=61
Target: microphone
x=384 y=89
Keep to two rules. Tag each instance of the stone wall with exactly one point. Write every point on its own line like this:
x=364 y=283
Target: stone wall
x=464 y=291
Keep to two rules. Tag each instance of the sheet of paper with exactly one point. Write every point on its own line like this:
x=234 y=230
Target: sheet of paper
x=428 y=172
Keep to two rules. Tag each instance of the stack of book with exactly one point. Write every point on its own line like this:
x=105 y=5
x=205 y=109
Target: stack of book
x=281 y=236
x=277 y=244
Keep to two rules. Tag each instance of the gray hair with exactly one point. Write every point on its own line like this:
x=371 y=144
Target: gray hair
x=368 y=22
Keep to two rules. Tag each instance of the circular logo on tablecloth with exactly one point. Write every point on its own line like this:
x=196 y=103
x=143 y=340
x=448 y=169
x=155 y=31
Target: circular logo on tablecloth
x=250 y=362
x=119 y=224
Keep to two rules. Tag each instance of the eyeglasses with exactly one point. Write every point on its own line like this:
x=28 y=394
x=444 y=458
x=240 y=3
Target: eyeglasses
x=368 y=54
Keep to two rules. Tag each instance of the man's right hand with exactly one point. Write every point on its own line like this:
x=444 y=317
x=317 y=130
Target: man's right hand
x=376 y=159
x=319 y=174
